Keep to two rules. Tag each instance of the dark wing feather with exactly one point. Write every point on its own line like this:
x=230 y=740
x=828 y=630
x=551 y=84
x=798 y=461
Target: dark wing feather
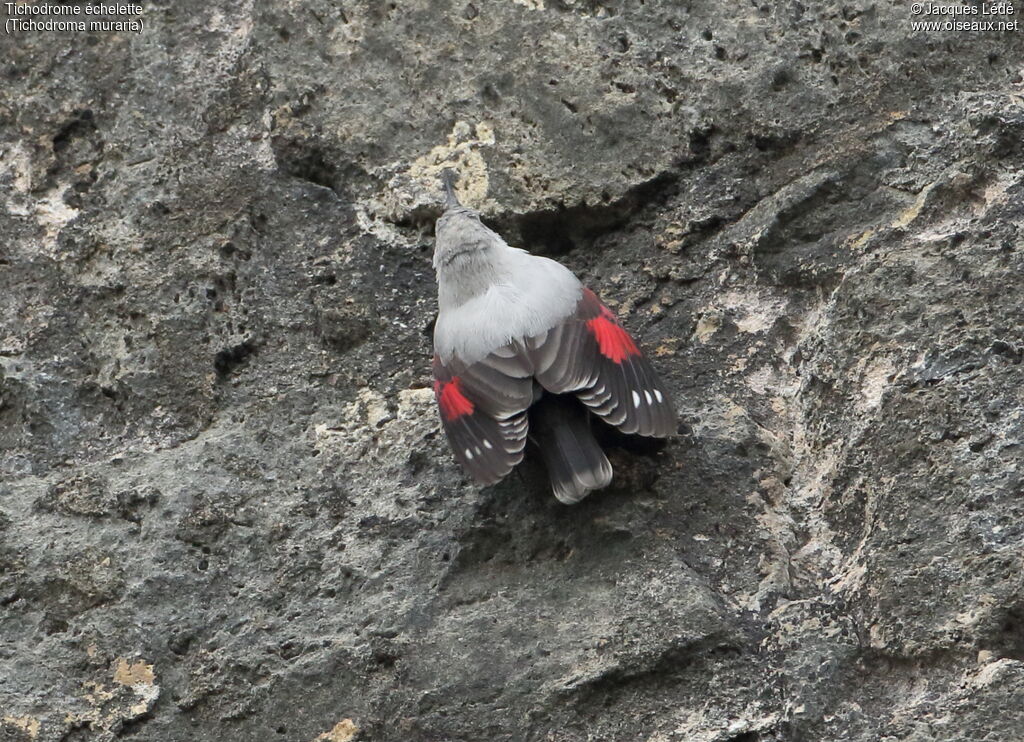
x=483 y=411
x=592 y=355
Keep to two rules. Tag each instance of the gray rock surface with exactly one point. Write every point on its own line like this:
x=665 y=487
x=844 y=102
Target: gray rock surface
x=227 y=511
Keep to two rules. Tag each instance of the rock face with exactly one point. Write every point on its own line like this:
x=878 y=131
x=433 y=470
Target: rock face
x=227 y=511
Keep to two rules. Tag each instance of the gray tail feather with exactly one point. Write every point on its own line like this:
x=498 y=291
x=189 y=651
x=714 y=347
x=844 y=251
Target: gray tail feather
x=575 y=462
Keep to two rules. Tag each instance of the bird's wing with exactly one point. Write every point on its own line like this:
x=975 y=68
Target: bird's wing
x=592 y=355
x=483 y=410
x=483 y=405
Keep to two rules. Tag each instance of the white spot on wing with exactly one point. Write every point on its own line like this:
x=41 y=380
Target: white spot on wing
x=636 y=399
x=487 y=444
x=647 y=395
x=469 y=454
x=659 y=396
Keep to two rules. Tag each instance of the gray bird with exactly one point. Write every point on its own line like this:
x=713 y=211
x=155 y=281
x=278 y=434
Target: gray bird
x=519 y=344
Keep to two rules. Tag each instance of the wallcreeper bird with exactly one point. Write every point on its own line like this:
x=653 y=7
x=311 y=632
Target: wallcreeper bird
x=518 y=345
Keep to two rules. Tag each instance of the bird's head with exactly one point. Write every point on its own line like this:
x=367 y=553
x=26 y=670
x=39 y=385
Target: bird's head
x=460 y=235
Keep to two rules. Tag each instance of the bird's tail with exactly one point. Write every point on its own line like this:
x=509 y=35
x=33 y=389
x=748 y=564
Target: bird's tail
x=560 y=427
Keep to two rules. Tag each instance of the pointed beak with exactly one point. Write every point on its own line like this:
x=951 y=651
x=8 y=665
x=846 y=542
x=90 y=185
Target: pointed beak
x=448 y=178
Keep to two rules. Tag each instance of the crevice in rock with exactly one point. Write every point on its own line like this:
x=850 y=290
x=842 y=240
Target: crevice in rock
x=660 y=677
x=560 y=230
x=314 y=162
x=745 y=737
x=932 y=660
x=80 y=125
x=130 y=727
x=77 y=147
x=306 y=161
x=1008 y=639
x=230 y=358
x=671 y=663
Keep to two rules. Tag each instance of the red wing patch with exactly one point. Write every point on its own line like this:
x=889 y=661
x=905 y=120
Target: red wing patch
x=591 y=354
x=483 y=413
x=613 y=342
x=451 y=400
